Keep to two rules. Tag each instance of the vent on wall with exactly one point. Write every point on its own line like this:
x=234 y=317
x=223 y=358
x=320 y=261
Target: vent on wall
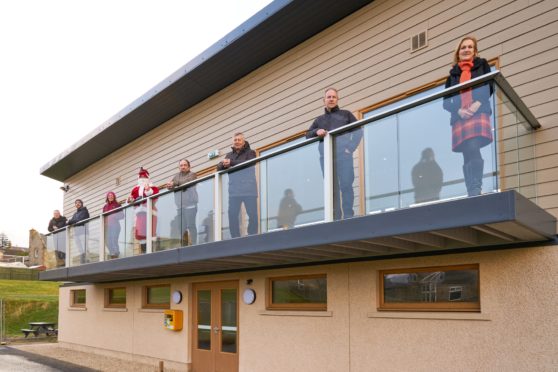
x=418 y=41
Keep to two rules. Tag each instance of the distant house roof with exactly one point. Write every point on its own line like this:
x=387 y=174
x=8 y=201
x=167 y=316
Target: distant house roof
x=278 y=27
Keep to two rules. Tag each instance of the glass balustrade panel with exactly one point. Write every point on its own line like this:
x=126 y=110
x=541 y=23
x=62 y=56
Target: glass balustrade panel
x=292 y=189
x=115 y=231
x=84 y=242
x=203 y=213
x=414 y=157
x=56 y=249
x=92 y=243
x=380 y=176
x=516 y=145
x=127 y=236
x=240 y=203
x=167 y=221
x=348 y=199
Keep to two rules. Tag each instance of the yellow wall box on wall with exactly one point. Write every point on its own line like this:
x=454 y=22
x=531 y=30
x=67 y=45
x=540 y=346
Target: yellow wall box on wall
x=173 y=320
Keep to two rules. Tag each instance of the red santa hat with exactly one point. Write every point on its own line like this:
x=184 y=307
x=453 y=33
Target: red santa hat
x=143 y=173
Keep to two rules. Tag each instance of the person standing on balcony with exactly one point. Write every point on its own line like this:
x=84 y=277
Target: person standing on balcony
x=57 y=221
x=345 y=144
x=112 y=224
x=142 y=190
x=242 y=186
x=79 y=229
x=186 y=201
x=470 y=112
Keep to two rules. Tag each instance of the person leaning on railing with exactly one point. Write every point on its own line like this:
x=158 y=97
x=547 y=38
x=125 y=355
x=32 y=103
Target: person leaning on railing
x=242 y=186
x=79 y=230
x=345 y=144
x=112 y=224
x=57 y=221
x=186 y=201
x=470 y=112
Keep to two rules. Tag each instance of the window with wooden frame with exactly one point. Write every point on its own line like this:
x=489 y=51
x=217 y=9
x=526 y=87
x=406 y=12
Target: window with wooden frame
x=301 y=292
x=156 y=296
x=115 y=297
x=77 y=298
x=442 y=288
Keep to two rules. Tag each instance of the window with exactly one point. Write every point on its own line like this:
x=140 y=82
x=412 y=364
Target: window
x=156 y=297
x=77 y=298
x=307 y=292
x=449 y=288
x=115 y=297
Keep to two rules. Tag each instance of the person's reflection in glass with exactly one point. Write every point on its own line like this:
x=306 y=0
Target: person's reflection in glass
x=288 y=210
x=427 y=177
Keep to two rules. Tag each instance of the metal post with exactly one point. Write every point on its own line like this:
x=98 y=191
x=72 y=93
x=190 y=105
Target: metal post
x=149 y=226
x=218 y=206
x=68 y=258
x=328 y=178
x=102 y=237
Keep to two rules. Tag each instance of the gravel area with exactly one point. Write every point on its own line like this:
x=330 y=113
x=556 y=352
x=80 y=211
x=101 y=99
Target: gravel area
x=88 y=360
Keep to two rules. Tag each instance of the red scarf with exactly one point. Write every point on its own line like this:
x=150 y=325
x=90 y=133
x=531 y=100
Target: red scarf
x=466 y=94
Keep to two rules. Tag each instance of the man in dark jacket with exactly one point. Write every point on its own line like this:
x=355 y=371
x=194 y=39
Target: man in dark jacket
x=57 y=222
x=242 y=186
x=59 y=240
x=79 y=229
x=345 y=144
x=186 y=201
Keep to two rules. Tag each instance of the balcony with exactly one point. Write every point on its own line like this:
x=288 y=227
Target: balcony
x=409 y=198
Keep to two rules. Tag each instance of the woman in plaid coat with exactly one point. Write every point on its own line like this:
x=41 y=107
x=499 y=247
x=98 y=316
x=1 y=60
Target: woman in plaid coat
x=470 y=112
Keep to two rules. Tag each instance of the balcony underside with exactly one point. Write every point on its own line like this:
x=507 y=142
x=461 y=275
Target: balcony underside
x=505 y=218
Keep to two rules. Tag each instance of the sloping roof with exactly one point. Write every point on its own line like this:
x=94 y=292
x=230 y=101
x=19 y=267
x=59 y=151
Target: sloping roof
x=277 y=28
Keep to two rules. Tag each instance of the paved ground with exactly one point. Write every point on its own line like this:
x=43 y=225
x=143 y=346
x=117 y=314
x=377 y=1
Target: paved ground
x=47 y=357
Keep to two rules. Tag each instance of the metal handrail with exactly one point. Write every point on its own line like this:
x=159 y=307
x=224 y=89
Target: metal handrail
x=494 y=76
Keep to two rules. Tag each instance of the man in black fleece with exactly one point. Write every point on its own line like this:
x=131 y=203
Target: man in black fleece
x=242 y=186
x=345 y=144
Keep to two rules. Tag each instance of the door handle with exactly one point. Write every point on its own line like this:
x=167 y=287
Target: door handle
x=216 y=329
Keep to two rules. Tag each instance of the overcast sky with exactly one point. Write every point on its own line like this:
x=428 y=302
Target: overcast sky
x=67 y=66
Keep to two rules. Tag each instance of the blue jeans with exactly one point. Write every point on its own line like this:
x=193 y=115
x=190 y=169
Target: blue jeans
x=251 y=205
x=343 y=192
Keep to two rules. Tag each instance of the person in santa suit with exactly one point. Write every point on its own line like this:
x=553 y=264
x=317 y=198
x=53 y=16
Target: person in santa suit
x=142 y=190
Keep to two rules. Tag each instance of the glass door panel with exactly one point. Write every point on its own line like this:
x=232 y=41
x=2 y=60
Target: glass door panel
x=228 y=320
x=204 y=319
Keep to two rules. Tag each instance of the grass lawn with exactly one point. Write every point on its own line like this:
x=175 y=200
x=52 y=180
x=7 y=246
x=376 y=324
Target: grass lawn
x=28 y=301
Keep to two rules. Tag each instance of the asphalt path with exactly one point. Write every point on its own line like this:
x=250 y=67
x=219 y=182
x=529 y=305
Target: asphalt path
x=12 y=360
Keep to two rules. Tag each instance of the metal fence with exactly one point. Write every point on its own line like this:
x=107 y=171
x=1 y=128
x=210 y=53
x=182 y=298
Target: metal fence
x=12 y=273
x=2 y=322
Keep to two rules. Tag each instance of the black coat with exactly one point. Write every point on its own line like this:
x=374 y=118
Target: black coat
x=336 y=118
x=481 y=93
x=58 y=222
x=80 y=215
x=242 y=182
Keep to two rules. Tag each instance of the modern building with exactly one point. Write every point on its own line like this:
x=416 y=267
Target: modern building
x=411 y=282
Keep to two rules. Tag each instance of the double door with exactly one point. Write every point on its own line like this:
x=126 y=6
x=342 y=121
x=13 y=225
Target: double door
x=215 y=327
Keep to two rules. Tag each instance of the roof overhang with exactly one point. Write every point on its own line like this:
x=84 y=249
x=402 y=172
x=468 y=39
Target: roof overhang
x=505 y=219
x=277 y=28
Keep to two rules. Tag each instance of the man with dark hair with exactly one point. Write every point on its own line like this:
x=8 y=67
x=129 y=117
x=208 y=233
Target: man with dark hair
x=80 y=230
x=345 y=144
x=242 y=186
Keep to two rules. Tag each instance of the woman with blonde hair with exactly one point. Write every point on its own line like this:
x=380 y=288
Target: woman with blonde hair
x=470 y=112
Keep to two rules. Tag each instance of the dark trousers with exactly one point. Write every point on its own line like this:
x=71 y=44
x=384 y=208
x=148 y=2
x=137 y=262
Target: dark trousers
x=343 y=193
x=251 y=205
x=189 y=224
x=473 y=165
